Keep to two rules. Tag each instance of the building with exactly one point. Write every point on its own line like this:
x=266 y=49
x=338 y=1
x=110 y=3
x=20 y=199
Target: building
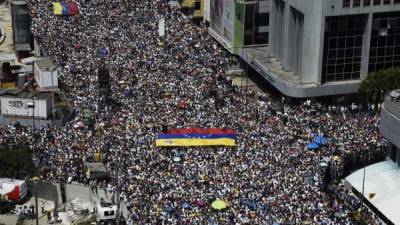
x=16 y=103
x=46 y=74
x=390 y=123
x=237 y=24
x=324 y=47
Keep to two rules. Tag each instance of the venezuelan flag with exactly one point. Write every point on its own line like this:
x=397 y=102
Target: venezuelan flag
x=57 y=8
x=197 y=137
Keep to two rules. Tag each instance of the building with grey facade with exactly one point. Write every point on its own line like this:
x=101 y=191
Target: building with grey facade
x=390 y=124
x=326 y=47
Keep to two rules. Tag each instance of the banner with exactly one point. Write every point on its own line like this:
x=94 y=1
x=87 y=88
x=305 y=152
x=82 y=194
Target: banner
x=197 y=137
x=161 y=27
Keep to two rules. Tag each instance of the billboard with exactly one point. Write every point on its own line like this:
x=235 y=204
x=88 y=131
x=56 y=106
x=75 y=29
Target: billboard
x=222 y=13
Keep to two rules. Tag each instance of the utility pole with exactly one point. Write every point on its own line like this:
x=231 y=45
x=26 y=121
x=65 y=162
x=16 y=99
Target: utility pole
x=363 y=182
x=117 y=193
x=36 y=178
x=247 y=82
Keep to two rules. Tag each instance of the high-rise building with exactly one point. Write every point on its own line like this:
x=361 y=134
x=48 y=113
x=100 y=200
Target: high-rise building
x=320 y=47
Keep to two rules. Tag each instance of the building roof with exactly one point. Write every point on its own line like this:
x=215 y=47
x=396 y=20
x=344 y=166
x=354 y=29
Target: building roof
x=17 y=93
x=7 y=57
x=46 y=63
x=383 y=180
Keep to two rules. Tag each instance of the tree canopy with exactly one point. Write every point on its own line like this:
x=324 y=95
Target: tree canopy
x=374 y=87
x=15 y=162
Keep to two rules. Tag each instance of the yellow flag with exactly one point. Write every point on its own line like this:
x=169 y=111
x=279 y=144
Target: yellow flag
x=371 y=195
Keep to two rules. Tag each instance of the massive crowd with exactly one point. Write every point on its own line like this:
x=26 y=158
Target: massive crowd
x=269 y=178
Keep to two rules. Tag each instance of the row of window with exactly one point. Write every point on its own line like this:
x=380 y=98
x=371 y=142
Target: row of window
x=341 y=76
x=358 y=3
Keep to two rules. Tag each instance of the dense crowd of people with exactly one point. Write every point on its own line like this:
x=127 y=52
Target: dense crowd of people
x=270 y=177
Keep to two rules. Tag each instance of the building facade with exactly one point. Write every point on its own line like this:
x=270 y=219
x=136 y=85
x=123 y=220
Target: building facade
x=46 y=73
x=332 y=43
x=390 y=124
x=315 y=47
x=237 y=24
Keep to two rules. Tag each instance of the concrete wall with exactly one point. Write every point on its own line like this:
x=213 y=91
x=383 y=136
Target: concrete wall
x=46 y=191
x=390 y=121
x=9 y=120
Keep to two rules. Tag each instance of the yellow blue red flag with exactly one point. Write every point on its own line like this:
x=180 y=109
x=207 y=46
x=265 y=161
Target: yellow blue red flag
x=197 y=137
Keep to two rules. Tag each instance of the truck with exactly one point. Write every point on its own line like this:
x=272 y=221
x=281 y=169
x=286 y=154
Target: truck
x=106 y=213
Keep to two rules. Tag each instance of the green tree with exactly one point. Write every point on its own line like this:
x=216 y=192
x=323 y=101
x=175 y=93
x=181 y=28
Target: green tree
x=374 y=87
x=15 y=162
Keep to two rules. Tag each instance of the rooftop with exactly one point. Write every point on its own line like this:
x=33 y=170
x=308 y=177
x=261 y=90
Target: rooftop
x=383 y=180
x=45 y=63
x=23 y=94
x=262 y=56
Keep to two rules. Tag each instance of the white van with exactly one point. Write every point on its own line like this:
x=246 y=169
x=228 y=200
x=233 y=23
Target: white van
x=106 y=213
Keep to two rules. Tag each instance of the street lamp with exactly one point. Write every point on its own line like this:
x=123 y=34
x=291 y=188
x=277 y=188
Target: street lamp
x=31 y=105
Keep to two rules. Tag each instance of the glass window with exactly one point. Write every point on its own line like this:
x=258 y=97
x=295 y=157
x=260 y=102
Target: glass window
x=256 y=24
x=377 y=2
x=385 y=42
x=342 y=53
x=366 y=2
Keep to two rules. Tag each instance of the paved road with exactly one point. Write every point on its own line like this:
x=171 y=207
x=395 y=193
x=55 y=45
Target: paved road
x=11 y=219
x=83 y=192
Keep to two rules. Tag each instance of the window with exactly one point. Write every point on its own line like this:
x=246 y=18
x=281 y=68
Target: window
x=356 y=3
x=197 y=6
x=377 y=2
x=385 y=41
x=366 y=2
x=343 y=41
x=256 y=22
x=109 y=213
x=346 y=3
x=387 y=2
